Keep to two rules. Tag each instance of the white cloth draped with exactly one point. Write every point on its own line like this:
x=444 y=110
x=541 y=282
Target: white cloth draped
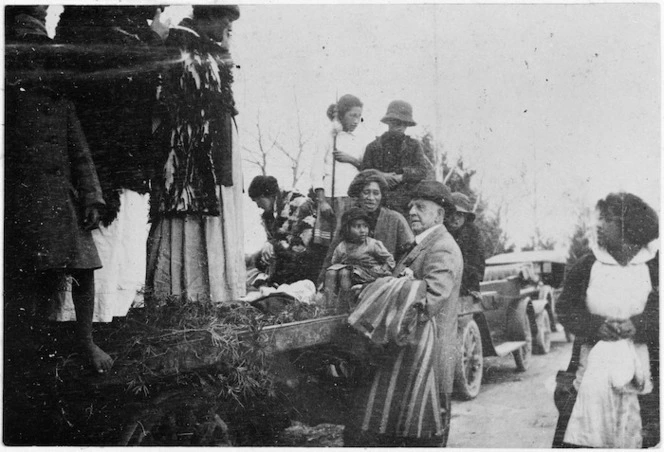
x=121 y=248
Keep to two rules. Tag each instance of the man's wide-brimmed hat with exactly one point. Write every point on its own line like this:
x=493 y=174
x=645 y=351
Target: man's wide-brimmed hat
x=365 y=177
x=401 y=111
x=434 y=191
x=463 y=205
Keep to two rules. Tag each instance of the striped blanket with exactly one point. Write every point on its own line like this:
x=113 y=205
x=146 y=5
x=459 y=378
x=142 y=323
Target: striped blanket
x=403 y=398
x=387 y=310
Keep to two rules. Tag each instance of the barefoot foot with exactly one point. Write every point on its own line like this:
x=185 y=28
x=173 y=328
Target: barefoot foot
x=101 y=362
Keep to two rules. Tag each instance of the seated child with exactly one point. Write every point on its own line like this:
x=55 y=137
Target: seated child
x=358 y=259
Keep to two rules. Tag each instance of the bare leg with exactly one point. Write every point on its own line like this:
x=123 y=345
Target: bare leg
x=331 y=281
x=83 y=295
x=346 y=278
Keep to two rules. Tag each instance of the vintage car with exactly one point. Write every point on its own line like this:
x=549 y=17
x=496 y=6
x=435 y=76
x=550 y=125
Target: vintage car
x=515 y=313
x=549 y=265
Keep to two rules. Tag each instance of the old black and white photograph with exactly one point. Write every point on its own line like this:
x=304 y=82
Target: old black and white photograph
x=386 y=224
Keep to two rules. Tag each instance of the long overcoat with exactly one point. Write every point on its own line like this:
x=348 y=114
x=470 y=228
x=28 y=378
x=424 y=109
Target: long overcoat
x=50 y=180
x=437 y=260
x=403 y=398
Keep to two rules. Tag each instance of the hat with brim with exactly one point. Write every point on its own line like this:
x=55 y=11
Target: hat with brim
x=435 y=191
x=399 y=110
x=463 y=205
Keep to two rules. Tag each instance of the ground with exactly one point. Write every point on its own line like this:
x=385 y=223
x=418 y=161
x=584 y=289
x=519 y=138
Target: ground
x=513 y=410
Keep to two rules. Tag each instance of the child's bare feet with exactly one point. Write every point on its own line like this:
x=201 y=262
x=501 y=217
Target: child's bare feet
x=99 y=359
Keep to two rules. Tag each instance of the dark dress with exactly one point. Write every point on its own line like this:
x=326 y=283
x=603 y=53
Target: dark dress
x=575 y=317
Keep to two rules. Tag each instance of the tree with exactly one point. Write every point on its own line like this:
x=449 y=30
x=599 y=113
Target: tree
x=538 y=243
x=295 y=154
x=580 y=243
x=458 y=178
x=258 y=155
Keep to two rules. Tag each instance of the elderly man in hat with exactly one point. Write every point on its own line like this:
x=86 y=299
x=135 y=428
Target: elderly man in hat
x=407 y=403
x=398 y=157
x=463 y=229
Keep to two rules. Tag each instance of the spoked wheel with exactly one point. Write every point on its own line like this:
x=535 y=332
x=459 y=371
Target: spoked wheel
x=470 y=365
x=542 y=342
x=522 y=356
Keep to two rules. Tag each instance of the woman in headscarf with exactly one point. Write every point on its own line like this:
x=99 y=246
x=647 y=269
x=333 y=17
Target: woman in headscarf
x=610 y=303
x=388 y=226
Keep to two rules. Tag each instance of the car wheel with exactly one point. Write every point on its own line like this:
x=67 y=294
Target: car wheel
x=542 y=342
x=470 y=365
x=522 y=355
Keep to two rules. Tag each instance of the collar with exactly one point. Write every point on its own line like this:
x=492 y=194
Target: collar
x=645 y=254
x=423 y=235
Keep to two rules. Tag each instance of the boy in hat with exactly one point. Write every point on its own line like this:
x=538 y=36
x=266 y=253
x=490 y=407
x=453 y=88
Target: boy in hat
x=398 y=157
x=465 y=232
x=394 y=410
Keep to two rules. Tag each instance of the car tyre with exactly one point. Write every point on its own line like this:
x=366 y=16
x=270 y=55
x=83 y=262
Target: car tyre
x=522 y=356
x=542 y=342
x=470 y=365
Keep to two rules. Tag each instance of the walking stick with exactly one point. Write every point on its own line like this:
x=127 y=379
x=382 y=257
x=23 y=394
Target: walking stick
x=334 y=168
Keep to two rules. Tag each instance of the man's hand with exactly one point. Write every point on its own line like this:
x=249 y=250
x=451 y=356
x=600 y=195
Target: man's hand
x=91 y=218
x=393 y=179
x=325 y=208
x=267 y=253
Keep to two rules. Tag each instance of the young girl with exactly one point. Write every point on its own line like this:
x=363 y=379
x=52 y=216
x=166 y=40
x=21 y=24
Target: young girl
x=358 y=259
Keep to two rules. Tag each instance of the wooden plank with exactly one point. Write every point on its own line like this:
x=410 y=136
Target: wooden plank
x=306 y=333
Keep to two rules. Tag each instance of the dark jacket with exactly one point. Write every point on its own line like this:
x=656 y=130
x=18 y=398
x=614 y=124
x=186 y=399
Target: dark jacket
x=114 y=57
x=575 y=317
x=398 y=154
x=470 y=242
x=50 y=179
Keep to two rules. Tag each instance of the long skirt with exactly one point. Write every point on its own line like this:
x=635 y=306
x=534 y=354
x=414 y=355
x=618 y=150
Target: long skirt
x=199 y=256
x=121 y=248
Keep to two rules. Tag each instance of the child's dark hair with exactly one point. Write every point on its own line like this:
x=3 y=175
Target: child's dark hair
x=352 y=214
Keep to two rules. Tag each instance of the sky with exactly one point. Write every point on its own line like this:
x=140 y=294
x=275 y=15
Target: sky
x=553 y=105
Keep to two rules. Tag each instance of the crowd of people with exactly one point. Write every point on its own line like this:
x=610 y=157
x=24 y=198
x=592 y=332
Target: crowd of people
x=80 y=151
x=123 y=106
